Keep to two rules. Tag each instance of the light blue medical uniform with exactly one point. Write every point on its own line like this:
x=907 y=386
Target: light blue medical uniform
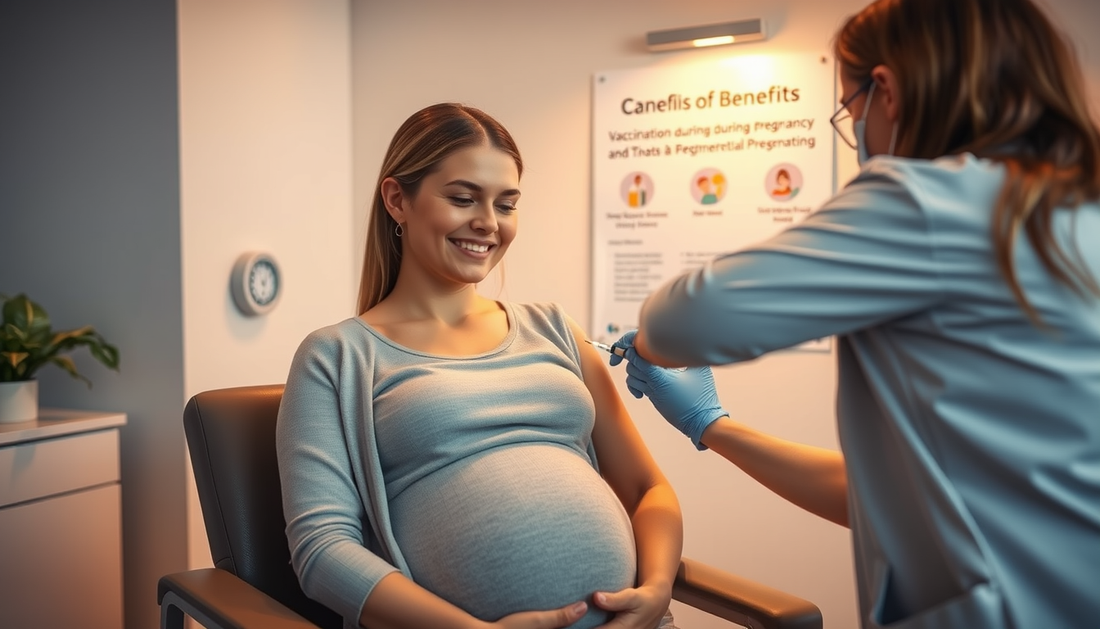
x=971 y=436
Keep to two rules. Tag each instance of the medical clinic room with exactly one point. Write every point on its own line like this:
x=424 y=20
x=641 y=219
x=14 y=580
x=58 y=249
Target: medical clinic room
x=487 y=314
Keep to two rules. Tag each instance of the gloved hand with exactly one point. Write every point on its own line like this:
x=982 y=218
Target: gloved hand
x=686 y=398
x=625 y=342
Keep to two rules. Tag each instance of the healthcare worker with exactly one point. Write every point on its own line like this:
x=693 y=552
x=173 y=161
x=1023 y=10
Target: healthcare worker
x=958 y=271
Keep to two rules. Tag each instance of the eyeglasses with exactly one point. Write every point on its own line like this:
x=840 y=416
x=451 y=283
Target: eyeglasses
x=842 y=119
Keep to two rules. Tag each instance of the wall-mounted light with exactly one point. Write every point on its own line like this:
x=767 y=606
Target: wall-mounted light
x=701 y=36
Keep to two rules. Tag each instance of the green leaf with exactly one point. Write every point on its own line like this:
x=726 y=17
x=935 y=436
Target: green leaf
x=106 y=354
x=14 y=358
x=25 y=314
x=27 y=342
x=14 y=333
x=68 y=365
x=61 y=336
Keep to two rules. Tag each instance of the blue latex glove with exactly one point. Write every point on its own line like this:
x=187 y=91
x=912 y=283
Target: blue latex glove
x=686 y=398
x=624 y=343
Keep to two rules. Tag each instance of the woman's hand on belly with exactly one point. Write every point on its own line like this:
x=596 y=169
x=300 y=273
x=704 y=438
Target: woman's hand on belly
x=552 y=619
x=399 y=603
x=635 y=608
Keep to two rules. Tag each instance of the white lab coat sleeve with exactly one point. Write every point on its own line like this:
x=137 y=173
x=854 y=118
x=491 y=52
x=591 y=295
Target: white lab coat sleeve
x=867 y=256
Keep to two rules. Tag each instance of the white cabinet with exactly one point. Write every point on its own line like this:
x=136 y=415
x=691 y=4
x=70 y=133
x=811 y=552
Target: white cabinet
x=61 y=521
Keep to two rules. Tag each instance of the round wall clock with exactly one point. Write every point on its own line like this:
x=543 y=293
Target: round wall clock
x=255 y=283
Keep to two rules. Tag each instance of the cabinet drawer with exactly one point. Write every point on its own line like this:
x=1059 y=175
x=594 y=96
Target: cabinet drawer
x=38 y=469
x=62 y=562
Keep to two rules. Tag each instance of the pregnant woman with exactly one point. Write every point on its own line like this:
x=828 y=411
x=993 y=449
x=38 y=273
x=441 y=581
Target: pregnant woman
x=448 y=460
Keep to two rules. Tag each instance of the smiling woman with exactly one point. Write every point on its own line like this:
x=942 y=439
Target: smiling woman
x=461 y=220
x=453 y=461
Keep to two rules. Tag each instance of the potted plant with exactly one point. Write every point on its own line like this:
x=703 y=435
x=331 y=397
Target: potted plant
x=28 y=343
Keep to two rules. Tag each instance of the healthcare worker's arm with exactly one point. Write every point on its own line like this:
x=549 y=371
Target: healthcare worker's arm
x=810 y=477
x=864 y=258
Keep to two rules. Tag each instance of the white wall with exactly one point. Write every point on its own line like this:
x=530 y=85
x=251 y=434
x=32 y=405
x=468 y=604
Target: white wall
x=265 y=135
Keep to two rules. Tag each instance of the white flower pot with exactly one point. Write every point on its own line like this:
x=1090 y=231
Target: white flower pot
x=18 y=401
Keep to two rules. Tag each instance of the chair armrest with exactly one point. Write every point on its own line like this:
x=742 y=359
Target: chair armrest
x=740 y=600
x=219 y=600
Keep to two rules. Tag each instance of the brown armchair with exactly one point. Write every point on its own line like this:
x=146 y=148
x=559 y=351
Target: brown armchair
x=231 y=436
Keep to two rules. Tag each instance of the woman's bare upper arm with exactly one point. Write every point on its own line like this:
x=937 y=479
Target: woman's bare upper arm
x=624 y=459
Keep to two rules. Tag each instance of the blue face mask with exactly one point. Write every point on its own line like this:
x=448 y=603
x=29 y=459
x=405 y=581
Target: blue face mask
x=859 y=128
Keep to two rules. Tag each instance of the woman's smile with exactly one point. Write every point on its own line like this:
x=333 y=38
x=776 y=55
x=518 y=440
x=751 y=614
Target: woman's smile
x=477 y=249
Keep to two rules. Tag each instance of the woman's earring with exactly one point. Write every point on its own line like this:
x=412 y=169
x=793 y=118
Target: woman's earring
x=399 y=230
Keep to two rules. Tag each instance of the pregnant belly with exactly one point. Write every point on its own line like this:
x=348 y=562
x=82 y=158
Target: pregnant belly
x=516 y=529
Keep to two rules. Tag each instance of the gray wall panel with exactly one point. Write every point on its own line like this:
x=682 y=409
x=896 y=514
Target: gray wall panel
x=90 y=227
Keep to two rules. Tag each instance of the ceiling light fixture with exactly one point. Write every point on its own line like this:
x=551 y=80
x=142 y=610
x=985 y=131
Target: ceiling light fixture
x=702 y=36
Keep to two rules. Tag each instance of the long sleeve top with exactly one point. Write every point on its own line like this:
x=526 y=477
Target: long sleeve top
x=475 y=476
x=971 y=435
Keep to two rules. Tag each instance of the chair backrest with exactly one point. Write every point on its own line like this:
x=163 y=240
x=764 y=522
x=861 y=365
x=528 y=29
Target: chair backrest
x=231 y=436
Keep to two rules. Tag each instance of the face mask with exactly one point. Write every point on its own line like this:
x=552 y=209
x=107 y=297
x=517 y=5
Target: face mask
x=859 y=128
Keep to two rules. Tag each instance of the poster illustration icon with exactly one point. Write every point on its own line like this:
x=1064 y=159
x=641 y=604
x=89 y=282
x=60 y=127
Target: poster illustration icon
x=708 y=186
x=784 y=182
x=637 y=189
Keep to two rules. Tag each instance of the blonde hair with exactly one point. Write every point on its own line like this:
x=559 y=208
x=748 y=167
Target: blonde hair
x=423 y=141
x=996 y=79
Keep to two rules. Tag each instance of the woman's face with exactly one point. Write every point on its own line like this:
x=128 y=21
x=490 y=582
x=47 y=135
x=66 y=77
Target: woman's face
x=783 y=180
x=463 y=217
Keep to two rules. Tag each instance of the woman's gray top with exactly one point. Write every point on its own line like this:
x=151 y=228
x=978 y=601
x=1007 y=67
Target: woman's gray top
x=475 y=475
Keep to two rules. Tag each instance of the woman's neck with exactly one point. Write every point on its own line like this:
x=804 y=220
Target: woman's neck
x=457 y=323
x=414 y=302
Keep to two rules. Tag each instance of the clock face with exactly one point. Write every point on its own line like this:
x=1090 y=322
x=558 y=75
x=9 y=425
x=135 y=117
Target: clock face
x=263 y=282
x=255 y=283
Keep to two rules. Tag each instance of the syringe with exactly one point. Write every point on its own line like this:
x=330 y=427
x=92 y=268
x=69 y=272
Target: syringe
x=610 y=349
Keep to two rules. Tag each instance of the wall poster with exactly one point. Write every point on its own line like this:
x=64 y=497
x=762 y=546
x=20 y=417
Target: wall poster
x=691 y=161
